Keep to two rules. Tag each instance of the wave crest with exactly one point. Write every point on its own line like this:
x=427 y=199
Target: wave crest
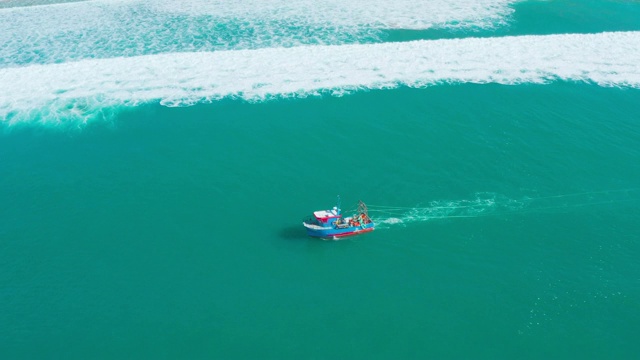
x=105 y=29
x=183 y=79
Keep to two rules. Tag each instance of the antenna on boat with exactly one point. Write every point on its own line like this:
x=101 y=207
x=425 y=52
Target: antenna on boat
x=338 y=205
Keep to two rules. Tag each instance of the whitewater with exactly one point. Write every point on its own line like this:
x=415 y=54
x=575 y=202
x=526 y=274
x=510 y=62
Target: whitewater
x=494 y=204
x=79 y=90
x=110 y=28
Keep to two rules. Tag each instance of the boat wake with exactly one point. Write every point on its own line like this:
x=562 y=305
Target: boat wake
x=492 y=204
x=483 y=204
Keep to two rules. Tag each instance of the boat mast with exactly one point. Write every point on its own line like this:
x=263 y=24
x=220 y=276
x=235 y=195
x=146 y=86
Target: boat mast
x=362 y=208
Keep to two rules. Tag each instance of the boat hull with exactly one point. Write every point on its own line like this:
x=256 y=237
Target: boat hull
x=332 y=233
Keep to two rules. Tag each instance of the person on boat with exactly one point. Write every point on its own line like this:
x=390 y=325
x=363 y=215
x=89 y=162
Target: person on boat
x=362 y=218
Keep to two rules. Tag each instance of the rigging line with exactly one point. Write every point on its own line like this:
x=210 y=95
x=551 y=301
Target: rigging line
x=380 y=208
x=388 y=207
x=456 y=216
x=505 y=213
x=533 y=209
x=582 y=193
x=384 y=206
x=416 y=212
x=526 y=198
x=482 y=204
x=527 y=211
x=391 y=209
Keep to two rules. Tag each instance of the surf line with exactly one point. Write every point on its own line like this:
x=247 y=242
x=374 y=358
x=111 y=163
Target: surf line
x=492 y=204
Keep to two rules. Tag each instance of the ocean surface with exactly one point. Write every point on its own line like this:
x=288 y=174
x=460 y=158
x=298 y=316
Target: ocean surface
x=157 y=159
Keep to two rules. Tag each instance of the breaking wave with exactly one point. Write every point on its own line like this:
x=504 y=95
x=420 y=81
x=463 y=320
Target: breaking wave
x=78 y=90
x=73 y=31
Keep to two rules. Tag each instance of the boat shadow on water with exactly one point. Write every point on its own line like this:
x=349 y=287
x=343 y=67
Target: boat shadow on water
x=293 y=233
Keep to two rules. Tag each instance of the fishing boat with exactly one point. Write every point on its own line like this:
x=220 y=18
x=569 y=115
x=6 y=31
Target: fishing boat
x=330 y=224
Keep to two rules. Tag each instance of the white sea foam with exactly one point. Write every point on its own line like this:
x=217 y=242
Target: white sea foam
x=484 y=204
x=492 y=204
x=404 y=14
x=111 y=28
x=392 y=220
x=21 y=3
x=77 y=89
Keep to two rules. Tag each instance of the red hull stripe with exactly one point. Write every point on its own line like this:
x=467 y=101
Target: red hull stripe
x=353 y=232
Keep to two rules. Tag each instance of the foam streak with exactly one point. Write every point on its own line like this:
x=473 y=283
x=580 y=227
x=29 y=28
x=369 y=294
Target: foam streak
x=181 y=79
x=111 y=28
x=491 y=204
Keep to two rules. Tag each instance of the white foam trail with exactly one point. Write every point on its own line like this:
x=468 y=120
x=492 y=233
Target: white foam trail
x=111 y=28
x=391 y=221
x=484 y=204
x=491 y=204
x=606 y=59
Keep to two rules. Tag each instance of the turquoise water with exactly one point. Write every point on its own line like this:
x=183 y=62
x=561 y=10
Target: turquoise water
x=506 y=201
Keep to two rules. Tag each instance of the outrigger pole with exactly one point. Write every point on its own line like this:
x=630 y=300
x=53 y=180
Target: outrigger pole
x=362 y=208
